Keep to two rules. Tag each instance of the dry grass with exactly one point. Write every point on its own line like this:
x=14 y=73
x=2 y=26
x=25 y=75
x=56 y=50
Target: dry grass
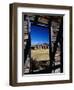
x=40 y=54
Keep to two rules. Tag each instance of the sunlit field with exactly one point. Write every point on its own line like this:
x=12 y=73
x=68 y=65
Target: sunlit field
x=40 y=54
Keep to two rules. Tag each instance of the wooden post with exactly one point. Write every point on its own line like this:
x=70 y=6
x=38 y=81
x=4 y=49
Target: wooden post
x=50 y=46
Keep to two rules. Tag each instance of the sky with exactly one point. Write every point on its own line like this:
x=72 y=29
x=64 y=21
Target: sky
x=39 y=35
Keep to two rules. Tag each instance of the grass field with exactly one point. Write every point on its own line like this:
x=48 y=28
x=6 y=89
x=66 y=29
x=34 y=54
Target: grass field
x=40 y=54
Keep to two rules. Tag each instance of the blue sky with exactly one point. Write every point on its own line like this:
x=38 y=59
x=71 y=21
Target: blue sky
x=39 y=35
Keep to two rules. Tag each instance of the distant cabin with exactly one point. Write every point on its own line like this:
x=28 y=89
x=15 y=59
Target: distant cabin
x=40 y=47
